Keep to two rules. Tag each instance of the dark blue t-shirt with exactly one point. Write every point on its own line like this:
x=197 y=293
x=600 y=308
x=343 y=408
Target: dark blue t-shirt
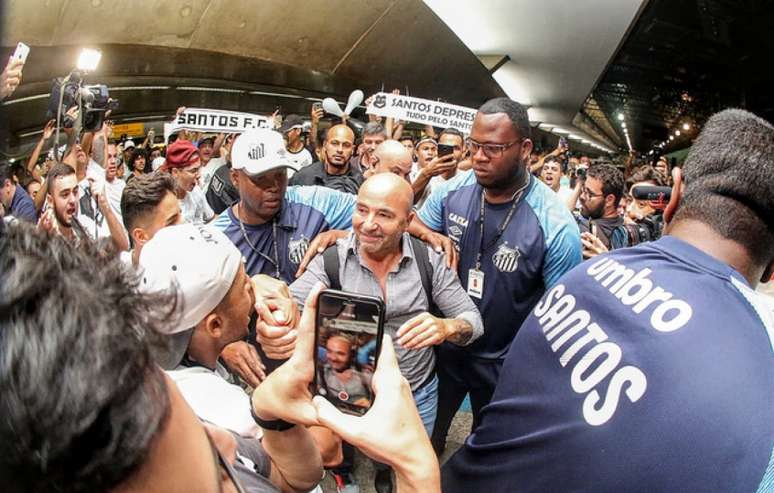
x=305 y=212
x=540 y=243
x=647 y=369
x=22 y=206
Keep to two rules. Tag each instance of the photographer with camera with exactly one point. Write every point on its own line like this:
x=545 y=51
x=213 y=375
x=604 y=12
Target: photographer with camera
x=641 y=207
x=601 y=192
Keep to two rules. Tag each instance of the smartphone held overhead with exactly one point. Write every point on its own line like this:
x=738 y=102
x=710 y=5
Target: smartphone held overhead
x=21 y=53
x=348 y=334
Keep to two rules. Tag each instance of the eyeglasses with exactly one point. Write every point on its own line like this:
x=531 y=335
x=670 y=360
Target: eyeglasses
x=588 y=193
x=492 y=151
x=224 y=465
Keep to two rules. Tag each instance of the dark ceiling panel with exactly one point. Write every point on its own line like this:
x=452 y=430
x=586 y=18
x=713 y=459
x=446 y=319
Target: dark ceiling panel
x=685 y=60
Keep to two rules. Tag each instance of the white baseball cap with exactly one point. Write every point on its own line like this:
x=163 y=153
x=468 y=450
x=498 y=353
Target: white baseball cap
x=129 y=143
x=157 y=163
x=260 y=150
x=197 y=263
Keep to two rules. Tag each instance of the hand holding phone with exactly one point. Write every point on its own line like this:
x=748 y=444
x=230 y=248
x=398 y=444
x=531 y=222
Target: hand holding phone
x=348 y=332
x=11 y=77
x=445 y=149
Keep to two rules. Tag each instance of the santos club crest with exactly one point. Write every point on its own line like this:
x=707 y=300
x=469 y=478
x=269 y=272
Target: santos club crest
x=297 y=249
x=506 y=259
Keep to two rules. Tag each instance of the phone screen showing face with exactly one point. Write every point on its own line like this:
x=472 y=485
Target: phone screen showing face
x=348 y=334
x=445 y=150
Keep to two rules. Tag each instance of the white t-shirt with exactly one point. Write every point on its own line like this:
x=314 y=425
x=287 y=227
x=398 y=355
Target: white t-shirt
x=434 y=182
x=301 y=158
x=96 y=227
x=113 y=191
x=194 y=207
x=215 y=400
x=208 y=172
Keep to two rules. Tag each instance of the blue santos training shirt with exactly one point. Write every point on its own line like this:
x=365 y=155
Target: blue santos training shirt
x=540 y=243
x=305 y=212
x=647 y=369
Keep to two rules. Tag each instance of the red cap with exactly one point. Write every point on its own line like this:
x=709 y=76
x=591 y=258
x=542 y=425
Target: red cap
x=181 y=154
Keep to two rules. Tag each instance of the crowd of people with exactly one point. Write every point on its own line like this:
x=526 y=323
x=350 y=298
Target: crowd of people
x=158 y=302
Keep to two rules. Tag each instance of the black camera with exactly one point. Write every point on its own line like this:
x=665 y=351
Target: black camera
x=95 y=101
x=648 y=229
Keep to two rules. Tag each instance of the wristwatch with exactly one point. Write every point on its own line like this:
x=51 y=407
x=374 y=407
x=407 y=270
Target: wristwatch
x=273 y=425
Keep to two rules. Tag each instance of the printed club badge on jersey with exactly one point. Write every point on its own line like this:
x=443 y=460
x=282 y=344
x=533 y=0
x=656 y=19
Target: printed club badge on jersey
x=506 y=259
x=297 y=249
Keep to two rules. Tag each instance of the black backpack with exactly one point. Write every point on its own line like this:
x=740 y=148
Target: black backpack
x=331 y=263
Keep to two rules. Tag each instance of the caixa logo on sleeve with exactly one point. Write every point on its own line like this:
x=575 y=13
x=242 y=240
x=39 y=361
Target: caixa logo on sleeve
x=506 y=259
x=256 y=152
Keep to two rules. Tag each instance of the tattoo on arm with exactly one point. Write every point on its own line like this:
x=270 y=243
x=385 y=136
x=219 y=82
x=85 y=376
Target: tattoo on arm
x=462 y=331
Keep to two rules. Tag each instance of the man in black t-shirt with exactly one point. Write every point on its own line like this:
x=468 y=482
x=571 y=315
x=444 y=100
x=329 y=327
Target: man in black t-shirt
x=600 y=195
x=335 y=170
x=222 y=193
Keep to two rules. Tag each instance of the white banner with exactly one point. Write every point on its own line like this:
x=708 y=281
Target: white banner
x=422 y=111
x=215 y=121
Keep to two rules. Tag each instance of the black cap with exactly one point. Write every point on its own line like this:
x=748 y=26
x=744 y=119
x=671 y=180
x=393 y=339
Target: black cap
x=290 y=122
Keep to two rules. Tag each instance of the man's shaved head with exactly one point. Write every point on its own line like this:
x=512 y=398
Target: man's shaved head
x=339 y=145
x=393 y=157
x=341 y=130
x=391 y=188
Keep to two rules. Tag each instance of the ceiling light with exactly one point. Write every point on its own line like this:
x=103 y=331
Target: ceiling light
x=89 y=59
x=671 y=138
x=623 y=124
x=621 y=116
x=686 y=126
x=677 y=133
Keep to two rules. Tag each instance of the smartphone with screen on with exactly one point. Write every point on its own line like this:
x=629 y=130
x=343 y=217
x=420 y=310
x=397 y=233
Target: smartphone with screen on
x=21 y=53
x=445 y=150
x=348 y=338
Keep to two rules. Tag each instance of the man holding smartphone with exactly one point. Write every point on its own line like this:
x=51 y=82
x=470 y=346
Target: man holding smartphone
x=379 y=258
x=441 y=168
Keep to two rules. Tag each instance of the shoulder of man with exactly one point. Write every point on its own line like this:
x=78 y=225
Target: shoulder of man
x=431 y=212
x=307 y=174
x=560 y=231
x=336 y=206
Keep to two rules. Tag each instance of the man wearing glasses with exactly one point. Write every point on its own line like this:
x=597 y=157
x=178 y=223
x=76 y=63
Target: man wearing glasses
x=515 y=239
x=600 y=195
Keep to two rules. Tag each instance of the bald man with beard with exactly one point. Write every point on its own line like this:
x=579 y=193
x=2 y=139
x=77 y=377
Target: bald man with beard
x=379 y=258
x=335 y=170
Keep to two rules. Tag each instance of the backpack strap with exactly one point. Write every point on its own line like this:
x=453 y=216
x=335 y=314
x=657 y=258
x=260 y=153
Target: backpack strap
x=425 y=272
x=331 y=263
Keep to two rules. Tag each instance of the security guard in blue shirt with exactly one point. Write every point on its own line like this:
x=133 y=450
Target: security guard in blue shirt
x=515 y=239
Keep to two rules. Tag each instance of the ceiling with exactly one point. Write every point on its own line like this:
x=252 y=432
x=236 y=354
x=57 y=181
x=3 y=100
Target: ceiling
x=683 y=61
x=161 y=54
x=558 y=50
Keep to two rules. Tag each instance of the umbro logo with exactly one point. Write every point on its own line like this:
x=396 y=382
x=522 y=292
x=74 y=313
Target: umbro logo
x=256 y=152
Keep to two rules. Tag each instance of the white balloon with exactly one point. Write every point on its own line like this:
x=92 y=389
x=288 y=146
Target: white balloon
x=354 y=99
x=331 y=106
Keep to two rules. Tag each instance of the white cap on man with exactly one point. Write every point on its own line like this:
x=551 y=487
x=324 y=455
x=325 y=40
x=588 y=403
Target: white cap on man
x=260 y=150
x=197 y=263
